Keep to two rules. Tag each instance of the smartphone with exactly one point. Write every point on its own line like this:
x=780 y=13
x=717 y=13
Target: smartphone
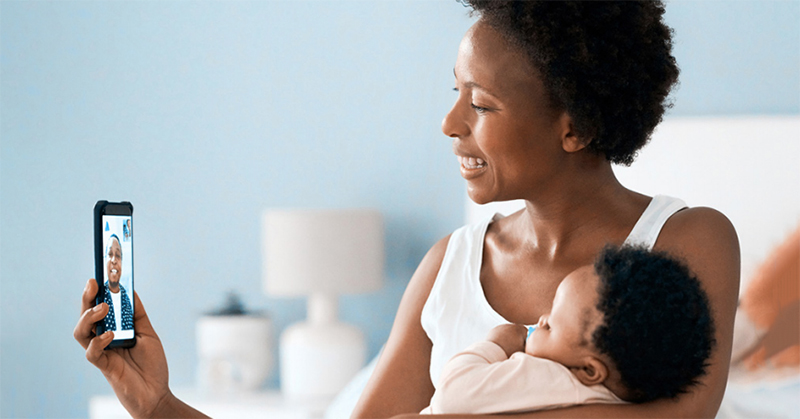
x=113 y=261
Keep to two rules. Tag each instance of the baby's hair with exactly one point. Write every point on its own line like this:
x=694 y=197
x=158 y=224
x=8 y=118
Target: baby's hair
x=657 y=327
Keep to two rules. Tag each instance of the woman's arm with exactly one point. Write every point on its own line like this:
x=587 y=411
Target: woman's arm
x=707 y=242
x=401 y=382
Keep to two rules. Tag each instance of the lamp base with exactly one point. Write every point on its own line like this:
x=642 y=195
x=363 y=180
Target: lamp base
x=318 y=359
x=234 y=351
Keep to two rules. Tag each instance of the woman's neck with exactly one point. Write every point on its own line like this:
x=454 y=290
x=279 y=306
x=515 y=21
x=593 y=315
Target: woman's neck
x=582 y=201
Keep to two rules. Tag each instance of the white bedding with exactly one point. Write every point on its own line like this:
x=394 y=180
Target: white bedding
x=762 y=394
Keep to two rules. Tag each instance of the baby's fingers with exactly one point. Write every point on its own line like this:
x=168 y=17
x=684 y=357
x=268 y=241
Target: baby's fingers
x=83 y=330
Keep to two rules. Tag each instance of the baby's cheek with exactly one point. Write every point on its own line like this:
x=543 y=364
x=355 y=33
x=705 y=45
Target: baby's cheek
x=531 y=346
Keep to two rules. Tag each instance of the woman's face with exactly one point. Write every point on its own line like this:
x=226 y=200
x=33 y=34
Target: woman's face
x=505 y=134
x=114 y=262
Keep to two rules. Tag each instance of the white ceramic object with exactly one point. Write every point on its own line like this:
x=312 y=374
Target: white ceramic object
x=234 y=352
x=319 y=359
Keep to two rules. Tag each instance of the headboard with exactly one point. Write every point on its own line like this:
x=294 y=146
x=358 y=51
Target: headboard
x=746 y=167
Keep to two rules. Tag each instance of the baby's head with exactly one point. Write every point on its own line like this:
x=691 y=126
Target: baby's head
x=637 y=322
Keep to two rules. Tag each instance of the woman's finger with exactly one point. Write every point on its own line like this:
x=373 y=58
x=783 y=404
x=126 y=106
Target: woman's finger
x=83 y=330
x=95 y=350
x=89 y=293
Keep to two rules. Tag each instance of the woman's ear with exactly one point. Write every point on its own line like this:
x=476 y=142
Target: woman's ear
x=570 y=141
x=593 y=371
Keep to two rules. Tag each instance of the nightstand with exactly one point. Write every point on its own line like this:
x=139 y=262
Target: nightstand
x=263 y=404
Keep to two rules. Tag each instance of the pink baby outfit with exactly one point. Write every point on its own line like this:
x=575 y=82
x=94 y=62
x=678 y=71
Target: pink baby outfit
x=482 y=379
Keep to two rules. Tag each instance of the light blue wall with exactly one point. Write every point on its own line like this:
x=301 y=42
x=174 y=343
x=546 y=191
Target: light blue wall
x=736 y=57
x=203 y=114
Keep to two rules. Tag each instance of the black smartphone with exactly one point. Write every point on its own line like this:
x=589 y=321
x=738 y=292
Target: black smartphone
x=113 y=265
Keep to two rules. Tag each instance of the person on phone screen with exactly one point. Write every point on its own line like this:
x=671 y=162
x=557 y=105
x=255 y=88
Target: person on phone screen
x=120 y=311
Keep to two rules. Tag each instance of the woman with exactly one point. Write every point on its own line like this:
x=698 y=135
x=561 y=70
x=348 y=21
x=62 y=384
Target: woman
x=549 y=95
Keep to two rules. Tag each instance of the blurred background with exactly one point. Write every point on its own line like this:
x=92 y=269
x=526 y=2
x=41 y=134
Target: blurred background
x=203 y=114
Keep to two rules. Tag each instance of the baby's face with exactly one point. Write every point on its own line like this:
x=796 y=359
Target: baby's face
x=564 y=335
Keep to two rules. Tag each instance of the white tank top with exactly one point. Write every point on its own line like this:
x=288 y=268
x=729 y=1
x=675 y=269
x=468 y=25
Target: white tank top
x=457 y=313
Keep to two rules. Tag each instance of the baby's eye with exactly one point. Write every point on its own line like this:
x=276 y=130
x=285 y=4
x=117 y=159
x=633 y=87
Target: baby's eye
x=545 y=324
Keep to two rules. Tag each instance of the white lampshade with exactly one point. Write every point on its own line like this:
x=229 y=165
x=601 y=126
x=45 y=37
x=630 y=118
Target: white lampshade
x=322 y=251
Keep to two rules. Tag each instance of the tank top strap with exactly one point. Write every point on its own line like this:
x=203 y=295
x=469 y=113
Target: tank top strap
x=648 y=227
x=456 y=313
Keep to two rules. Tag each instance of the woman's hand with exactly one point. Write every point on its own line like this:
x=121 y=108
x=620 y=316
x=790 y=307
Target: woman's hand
x=510 y=337
x=139 y=374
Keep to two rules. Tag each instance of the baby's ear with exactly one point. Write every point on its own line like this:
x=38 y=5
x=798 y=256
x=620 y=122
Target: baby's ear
x=593 y=371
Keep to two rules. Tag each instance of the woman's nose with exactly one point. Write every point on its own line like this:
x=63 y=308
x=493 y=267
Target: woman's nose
x=453 y=124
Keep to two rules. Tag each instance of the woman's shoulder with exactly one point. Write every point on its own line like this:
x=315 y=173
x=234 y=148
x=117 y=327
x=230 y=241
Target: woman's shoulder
x=706 y=239
x=698 y=227
x=460 y=245
x=422 y=281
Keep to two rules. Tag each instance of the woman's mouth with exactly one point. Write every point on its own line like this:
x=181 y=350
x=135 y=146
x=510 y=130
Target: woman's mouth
x=471 y=163
x=113 y=271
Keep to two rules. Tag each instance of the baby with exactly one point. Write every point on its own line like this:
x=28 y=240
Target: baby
x=634 y=327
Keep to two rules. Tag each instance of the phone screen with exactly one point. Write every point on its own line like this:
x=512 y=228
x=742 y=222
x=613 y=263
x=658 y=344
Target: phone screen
x=118 y=274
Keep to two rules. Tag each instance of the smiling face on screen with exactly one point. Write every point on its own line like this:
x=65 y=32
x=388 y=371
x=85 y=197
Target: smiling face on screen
x=113 y=263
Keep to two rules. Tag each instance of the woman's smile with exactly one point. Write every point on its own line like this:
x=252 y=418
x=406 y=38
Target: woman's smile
x=471 y=162
x=471 y=167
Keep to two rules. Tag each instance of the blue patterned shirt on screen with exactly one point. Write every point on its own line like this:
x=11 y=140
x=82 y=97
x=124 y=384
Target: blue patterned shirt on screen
x=127 y=310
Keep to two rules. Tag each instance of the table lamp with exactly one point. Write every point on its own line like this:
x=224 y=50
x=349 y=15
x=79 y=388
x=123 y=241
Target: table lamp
x=321 y=254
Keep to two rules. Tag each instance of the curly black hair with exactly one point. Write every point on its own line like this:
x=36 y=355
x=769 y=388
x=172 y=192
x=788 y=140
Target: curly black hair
x=657 y=325
x=609 y=65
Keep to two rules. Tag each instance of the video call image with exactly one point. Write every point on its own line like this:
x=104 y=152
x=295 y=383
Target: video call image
x=118 y=275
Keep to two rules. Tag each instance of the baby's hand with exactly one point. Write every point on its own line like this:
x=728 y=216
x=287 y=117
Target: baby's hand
x=510 y=337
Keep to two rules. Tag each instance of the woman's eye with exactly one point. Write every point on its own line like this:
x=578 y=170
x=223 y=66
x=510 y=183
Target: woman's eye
x=479 y=109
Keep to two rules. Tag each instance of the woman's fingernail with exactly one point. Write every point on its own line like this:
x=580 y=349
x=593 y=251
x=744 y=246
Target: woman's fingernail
x=98 y=307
